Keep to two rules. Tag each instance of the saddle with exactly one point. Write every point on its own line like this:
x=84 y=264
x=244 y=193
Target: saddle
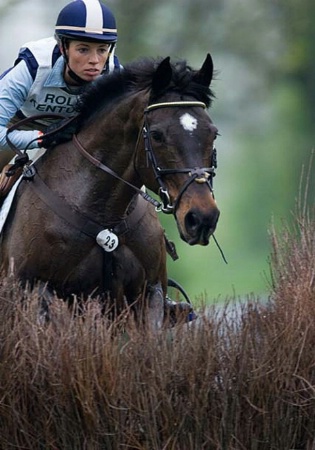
x=7 y=179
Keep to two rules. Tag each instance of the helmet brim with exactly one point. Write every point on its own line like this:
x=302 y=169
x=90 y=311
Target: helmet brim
x=87 y=37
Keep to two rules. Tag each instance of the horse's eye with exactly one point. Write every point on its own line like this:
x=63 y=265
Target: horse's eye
x=157 y=136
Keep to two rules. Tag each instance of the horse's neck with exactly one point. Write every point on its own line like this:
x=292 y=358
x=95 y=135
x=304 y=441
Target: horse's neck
x=113 y=145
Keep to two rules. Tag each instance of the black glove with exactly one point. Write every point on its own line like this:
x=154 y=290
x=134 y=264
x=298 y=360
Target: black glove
x=57 y=133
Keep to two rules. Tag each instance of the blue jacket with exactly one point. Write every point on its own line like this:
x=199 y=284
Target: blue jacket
x=36 y=85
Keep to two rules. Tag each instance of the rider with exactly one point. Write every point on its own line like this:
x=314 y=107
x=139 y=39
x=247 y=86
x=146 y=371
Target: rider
x=50 y=74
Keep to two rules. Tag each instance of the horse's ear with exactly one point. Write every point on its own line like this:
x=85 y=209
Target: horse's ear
x=162 y=76
x=205 y=74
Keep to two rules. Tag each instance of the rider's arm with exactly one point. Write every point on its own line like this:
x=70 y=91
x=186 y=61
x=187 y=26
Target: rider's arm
x=14 y=89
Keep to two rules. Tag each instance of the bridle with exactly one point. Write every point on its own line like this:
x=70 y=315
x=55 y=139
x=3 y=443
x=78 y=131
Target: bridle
x=198 y=174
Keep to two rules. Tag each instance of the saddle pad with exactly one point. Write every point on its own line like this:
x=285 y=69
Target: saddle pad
x=6 y=205
x=5 y=208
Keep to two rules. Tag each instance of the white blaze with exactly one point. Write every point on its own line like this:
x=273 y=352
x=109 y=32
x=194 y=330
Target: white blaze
x=188 y=122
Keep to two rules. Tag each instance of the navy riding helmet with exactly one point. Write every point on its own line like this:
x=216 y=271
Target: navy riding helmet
x=86 y=20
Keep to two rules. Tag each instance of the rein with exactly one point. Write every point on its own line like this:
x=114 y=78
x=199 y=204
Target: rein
x=35 y=118
x=199 y=174
x=22 y=157
x=106 y=169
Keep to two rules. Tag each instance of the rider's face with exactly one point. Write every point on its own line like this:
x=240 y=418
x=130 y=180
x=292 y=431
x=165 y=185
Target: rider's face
x=86 y=59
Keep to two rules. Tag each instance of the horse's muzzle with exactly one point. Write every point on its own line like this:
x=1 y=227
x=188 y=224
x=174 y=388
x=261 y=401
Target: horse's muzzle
x=199 y=226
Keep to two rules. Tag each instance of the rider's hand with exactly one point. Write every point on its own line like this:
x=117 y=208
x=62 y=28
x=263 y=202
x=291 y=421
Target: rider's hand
x=53 y=137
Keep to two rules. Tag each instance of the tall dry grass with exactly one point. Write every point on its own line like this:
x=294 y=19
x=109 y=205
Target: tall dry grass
x=242 y=377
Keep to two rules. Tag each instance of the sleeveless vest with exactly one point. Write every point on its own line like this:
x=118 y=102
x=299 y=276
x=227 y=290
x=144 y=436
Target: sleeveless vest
x=45 y=96
x=48 y=93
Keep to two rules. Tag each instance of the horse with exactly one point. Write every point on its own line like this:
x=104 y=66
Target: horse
x=81 y=223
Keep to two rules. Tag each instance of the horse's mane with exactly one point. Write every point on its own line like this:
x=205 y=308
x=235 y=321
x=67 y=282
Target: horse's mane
x=135 y=77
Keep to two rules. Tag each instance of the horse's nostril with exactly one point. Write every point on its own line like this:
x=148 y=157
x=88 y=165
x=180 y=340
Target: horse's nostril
x=192 y=221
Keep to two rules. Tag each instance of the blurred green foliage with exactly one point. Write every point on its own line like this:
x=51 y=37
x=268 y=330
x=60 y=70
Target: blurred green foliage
x=265 y=110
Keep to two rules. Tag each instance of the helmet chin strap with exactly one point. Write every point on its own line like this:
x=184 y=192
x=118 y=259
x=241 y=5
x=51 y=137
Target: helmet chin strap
x=75 y=77
x=71 y=74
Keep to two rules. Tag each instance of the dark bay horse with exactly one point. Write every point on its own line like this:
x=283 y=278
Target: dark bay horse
x=146 y=125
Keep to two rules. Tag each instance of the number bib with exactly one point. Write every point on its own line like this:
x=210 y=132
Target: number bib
x=107 y=240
